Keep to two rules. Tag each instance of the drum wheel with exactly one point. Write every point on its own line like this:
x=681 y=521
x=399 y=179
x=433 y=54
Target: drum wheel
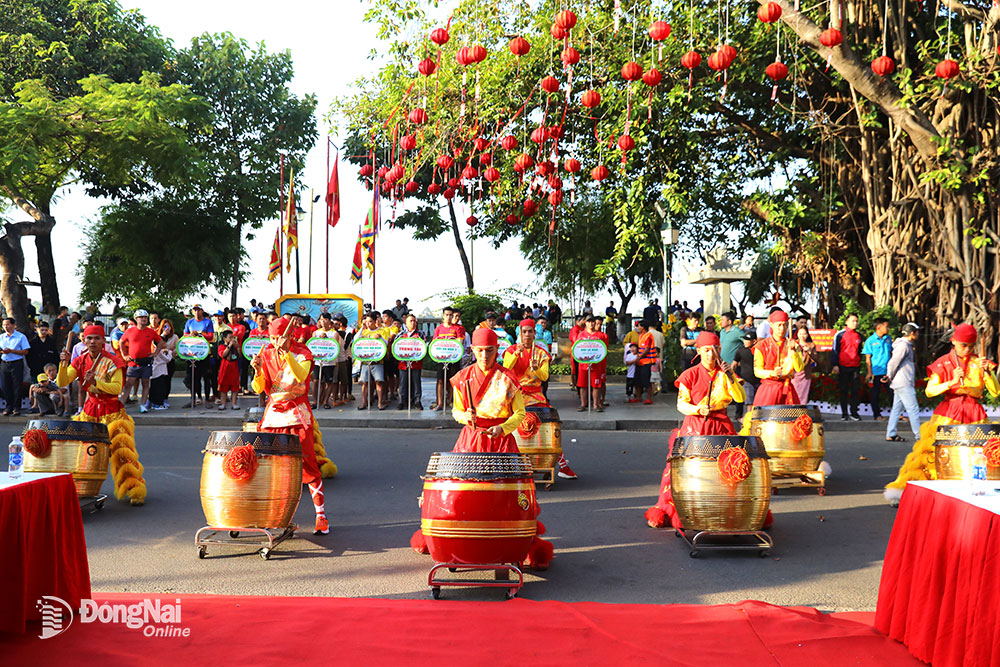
x=693 y=553
x=436 y=592
x=821 y=490
x=99 y=505
x=202 y=551
x=234 y=534
x=511 y=593
x=265 y=553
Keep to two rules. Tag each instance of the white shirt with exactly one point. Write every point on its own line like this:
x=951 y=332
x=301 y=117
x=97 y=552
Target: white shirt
x=14 y=341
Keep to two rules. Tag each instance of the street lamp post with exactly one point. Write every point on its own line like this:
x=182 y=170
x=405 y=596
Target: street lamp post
x=669 y=235
x=300 y=216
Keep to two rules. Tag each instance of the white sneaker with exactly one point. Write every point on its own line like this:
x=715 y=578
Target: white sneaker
x=143 y=409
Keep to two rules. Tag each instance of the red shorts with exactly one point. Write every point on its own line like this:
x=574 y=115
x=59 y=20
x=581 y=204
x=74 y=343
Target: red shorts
x=598 y=375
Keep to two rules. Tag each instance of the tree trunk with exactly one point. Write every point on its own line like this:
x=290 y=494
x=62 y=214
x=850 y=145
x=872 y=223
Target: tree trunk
x=47 y=270
x=236 y=263
x=461 y=249
x=12 y=292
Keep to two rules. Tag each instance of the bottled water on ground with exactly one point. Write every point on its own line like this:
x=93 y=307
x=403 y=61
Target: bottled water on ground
x=978 y=480
x=15 y=459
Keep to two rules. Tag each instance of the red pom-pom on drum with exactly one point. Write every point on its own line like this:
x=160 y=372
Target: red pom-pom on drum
x=478 y=508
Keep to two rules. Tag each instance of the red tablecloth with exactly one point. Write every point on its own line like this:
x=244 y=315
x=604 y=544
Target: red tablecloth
x=42 y=548
x=940 y=588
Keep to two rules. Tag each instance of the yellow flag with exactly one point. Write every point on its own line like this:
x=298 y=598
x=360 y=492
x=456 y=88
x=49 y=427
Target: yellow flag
x=291 y=224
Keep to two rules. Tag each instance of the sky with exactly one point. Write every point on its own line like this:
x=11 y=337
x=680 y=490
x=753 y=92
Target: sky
x=329 y=42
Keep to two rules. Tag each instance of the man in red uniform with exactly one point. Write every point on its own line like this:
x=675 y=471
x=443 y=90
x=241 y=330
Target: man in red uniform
x=138 y=346
x=775 y=361
x=704 y=391
x=447 y=329
x=282 y=370
x=847 y=344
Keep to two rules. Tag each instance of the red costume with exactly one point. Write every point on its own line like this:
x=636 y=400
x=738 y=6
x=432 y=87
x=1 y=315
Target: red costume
x=772 y=355
x=229 y=372
x=597 y=372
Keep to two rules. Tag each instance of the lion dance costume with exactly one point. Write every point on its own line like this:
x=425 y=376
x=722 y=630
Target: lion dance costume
x=498 y=401
x=284 y=376
x=102 y=405
x=961 y=392
x=697 y=387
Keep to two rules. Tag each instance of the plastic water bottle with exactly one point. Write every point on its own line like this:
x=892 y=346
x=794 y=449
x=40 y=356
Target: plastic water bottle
x=15 y=461
x=978 y=478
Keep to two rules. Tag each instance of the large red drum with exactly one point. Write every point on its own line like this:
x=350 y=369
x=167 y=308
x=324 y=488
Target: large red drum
x=478 y=507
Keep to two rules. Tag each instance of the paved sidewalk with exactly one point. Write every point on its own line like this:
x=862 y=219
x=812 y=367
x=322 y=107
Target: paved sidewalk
x=619 y=416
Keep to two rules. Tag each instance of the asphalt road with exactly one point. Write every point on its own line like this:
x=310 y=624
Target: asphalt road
x=828 y=549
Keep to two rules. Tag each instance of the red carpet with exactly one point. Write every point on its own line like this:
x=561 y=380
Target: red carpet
x=269 y=630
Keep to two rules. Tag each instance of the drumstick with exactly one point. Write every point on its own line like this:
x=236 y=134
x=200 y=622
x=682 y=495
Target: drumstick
x=69 y=347
x=468 y=397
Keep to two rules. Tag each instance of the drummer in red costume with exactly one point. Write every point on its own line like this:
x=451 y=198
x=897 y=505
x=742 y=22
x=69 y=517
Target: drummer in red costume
x=530 y=365
x=704 y=391
x=960 y=377
x=282 y=370
x=775 y=361
x=101 y=375
x=487 y=400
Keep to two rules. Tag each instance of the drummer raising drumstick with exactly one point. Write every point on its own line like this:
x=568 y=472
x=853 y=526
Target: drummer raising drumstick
x=282 y=371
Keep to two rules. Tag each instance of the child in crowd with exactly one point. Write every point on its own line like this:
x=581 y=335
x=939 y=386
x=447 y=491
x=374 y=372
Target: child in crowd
x=47 y=398
x=229 y=370
x=631 y=358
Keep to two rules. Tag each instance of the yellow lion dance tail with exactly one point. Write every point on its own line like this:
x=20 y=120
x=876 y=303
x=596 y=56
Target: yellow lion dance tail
x=327 y=468
x=126 y=470
x=919 y=463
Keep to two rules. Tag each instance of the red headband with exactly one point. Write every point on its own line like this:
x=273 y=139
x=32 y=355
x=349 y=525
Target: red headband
x=527 y=322
x=778 y=316
x=965 y=333
x=706 y=338
x=483 y=337
x=93 y=330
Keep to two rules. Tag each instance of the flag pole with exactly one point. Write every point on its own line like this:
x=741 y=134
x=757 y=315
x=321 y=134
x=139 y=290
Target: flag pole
x=281 y=229
x=329 y=204
x=310 y=276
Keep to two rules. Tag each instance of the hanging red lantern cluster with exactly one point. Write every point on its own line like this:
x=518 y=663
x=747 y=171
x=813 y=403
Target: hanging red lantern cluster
x=469 y=173
x=470 y=55
x=883 y=66
x=519 y=46
x=529 y=208
x=769 y=13
x=394 y=174
x=946 y=69
x=550 y=84
x=723 y=58
x=366 y=170
x=659 y=31
x=776 y=71
x=590 y=99
x=570 y=56
x=545 y=168
x=631 y=71
x=830 y=37
x=445 y=161
x=566 y=20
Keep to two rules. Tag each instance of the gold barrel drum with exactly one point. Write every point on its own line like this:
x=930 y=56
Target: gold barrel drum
x=79 y=448
x=252 y=417
x=710 y=494
x=955 y=445
x=792 y=436
x=540 y=437
x=268 y=498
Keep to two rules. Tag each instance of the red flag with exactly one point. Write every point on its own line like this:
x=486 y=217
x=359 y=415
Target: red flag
x=275 y=267
x=358 y=261
x=333 y=195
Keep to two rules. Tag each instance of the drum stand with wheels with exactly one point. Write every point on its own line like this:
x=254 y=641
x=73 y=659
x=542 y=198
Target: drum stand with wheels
x=92 y=504
x=268 y=537
x=815 y=479
x=726 y=540
x=502 y=572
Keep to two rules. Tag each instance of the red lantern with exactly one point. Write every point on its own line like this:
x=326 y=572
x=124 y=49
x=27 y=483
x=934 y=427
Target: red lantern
x=572 y=165
x=366 y=170
x=445 y=161
x=770 y=12
x=538 y=135
x=570 y=56
x=590 y=99
x=777 y=71
x=530 y=207
x=566 y=20
x=477 y=53
x=471 y=220
x=555 y=197
x=470 y=173
x=408 y=142
x=691 y=59
x=418 y=116
x=512 y=219
x=555 y=183
x=718 y=61
x=728 y=54
x=433 y=188
x=440 y=36
x=486 y=158
x=519 y=46
x=427 y=67
x=545 y=168
x=509 y=142
x=631 y=71
x=412 y=186
x=626 y=143
x=947 y=68
x=883 y=66
x=480 y=143
x=557 y=32
x=554 y=131
x=830 y=37
x=550 y=84
x=599 y=173
x=524 y=162
x=659 y=31
x=448 y=193
x=652 y=77
x=382 y=171
x=491 y=175
x=454 y=183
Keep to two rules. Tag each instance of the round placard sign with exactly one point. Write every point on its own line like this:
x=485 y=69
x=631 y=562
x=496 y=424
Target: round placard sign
x=502 y=344
x=589 y=351
x=409 y=349
x=367 y=350
x=446 y=350
x=193 y=348
x=253 y=346
x=323 y=349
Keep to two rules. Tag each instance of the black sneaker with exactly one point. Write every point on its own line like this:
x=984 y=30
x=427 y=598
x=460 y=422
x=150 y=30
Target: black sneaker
x=844 y=418
x=855 y=418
